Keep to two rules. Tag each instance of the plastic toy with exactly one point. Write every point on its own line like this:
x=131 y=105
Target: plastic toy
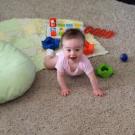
x=51 y=43
x=99 y=32
x=124 y=57
x=104 y=71
x=53 y=32
x=52 y=22
x=56 y=27
x=88 y=48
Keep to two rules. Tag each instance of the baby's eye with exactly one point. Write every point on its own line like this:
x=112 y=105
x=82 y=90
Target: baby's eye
x=77 y=50
x=68 y=50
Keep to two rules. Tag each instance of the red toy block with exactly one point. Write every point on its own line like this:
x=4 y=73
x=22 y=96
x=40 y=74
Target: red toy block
x=53 y=33
x=88 y=48
x=52 y=22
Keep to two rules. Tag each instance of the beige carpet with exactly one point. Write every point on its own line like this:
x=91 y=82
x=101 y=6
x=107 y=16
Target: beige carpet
x=42 y=111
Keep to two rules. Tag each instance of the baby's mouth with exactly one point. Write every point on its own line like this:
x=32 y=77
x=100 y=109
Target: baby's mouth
x=73 y=58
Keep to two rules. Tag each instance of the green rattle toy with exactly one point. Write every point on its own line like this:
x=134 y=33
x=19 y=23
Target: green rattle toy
x=104 y=71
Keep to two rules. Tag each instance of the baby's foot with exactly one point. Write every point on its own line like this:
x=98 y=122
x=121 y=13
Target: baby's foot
x=50 y=52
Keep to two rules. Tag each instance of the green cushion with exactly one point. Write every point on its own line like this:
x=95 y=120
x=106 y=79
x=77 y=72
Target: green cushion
x=17 y=72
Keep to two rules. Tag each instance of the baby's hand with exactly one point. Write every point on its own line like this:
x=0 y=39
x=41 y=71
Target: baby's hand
x=98 y=92
x=65 y=92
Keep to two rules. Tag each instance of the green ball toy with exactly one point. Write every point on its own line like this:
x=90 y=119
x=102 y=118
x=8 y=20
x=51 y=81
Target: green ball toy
x=104 y=71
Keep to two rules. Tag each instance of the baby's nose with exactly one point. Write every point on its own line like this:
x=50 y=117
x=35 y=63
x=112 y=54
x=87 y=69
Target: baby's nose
x=72 y=53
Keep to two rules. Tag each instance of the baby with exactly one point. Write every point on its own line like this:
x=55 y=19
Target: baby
x=71 y=61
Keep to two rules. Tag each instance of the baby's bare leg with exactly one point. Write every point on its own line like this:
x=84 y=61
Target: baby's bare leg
x=50 y=62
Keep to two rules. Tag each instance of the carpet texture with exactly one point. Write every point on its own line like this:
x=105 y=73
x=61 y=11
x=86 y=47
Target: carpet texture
x=42 y=111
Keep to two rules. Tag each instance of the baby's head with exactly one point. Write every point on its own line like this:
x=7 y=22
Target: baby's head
x=73 y=42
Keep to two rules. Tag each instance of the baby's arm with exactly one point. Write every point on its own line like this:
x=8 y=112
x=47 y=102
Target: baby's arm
x=64 y=89
x=96 y=90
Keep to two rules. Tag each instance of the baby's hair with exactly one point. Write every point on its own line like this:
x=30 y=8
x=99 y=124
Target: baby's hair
x=73 y=34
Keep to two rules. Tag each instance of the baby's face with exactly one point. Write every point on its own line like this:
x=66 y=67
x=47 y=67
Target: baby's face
x=73 y=49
